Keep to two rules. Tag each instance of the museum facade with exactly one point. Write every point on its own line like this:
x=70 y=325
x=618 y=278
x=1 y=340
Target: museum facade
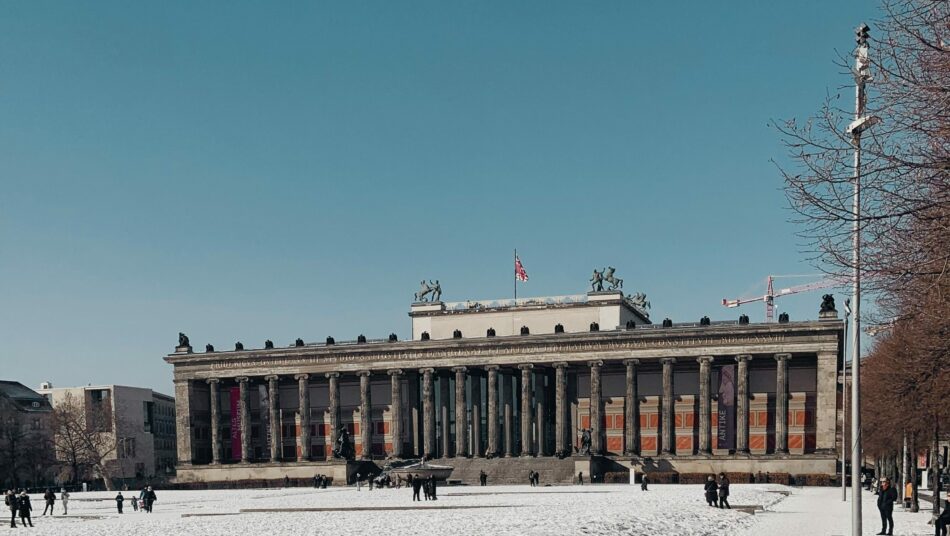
x=584 y=381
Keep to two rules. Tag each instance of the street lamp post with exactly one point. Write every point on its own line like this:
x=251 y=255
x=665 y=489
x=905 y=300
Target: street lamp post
x=861 y=122
x=844 y=404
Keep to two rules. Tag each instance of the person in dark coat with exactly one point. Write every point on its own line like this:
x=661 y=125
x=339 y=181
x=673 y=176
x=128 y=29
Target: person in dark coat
x=10 y=499
x=119 y=501
x=943 y=520
x=710 y=489
x=50 y=501
x=149 y=499
x=885 y=504
x=482 y=478
x=416 y=486
x=580 y=475
x=724 y=491
x=531 y=478
x=432 y=487
x=24 y=507
x=537 y=479
x=643 y=482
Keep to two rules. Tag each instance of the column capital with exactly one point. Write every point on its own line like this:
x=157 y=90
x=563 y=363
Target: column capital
x=631 y=362
x=299 y=377
x=332 y=374
x=272 y=377
x=525 y=366
x=459 y=369
x=210 y=381
x=427 y=370
x=596 y=363
x=242 y=379
x=560 y=364
x=491 y=367
x=394 y=372
x=706 y=359
x=363 y=373
x=783 y=357
x=743 y=357
x=668 y=361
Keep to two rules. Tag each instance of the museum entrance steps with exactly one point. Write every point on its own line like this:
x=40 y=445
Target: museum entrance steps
x=512 y=470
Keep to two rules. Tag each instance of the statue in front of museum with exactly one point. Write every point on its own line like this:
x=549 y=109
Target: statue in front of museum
x=614 y=282
x=585 y=442
x=343 y=448
x=828 y=304
x=597 y=281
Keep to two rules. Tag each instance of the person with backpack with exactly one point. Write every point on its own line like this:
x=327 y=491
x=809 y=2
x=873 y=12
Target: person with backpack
x=10 y=499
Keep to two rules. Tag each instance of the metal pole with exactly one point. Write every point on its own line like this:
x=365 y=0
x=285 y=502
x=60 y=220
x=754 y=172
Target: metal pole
x=844 y=411
x=904 y=478
x=861 y=76
x=516 y=273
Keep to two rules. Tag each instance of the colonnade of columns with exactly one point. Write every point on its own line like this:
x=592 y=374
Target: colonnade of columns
x=500 y=440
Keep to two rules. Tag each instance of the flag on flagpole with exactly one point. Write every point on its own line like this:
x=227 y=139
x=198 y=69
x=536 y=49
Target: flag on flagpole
x=520 y=274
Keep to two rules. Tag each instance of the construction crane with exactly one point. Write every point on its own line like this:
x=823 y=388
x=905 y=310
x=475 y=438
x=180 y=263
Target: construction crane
x=770 y=295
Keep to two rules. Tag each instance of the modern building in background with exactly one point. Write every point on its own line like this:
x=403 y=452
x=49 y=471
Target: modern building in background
x=507 y=385
x=141 y=420
x=25 y=436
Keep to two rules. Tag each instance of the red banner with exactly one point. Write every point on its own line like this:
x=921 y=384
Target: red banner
x=235 y=423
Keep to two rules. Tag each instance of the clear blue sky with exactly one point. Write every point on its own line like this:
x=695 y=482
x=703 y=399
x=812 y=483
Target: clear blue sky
x=254 y=170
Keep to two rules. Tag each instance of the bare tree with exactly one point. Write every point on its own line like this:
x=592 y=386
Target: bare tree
x=85 y=439
x=25 y=453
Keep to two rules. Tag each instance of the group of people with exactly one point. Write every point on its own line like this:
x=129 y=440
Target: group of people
x=145 y=500
x=717 y=493
x=426 y=485
x=19 y=504
x=321 y=481
x=534 y=478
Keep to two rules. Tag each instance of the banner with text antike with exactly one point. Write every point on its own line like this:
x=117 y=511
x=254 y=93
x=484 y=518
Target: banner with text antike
x=726 y=425
x=235 y=423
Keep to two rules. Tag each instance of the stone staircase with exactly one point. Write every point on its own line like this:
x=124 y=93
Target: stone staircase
x=510 y=470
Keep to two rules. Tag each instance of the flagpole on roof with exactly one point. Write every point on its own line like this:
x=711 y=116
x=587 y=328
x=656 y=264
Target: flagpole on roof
x=516 y=274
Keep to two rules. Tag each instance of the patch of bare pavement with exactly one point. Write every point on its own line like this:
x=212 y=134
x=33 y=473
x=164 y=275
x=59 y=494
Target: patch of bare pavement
x=372 y=508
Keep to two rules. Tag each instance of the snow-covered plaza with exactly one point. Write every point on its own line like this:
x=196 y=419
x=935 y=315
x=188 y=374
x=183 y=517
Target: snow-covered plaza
x=498 y=510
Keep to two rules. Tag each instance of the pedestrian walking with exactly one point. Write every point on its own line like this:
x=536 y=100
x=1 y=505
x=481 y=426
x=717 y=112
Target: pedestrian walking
x=482 y=478
x=119 y=501
x=10 y=499
x=64 y=498
x=537 y=478
x=50 y=498
x=724 y=491
x=643 y=482
x=943 y=520
x=150 y=499
x=886 y=498
x=580 y=475
x=711 y=493
x=432 y=487
x=425 y=488
x=416 y=484
x=531 y=478
x=359 y=482
x=135 y=503
x=25 y=508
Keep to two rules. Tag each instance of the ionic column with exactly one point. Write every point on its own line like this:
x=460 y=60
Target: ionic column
x=446 y=439
x=303 y=406
x=395 y=424
x=705 y=410
x=245 y=408
x=781 y=403
x=366 y=421
x=273 y=418
x=562 y=446
x=669 y=414
x=539 y=422
x=492 y=402
x=596 y=409
x=509 y=417
x=215 y=420
x=526 y=438
x=476 y=414
x=428 y=413
x=461 y=425
x=334 y=378
x=742 y=403
x=631 y=410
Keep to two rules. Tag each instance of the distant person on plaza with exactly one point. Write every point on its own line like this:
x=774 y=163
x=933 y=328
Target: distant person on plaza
x=150 y=499
x=416 y=484
x=482 y=478
x=724 y=491
x=359 y=482
x=50 y=501
x=25 y=508
x=710 y=489
x=432 y=487
x=531 y=478
x=135 y=503
x=643 y=482
x=10 y=499
x=943 y=520
x=580 y=475
x=886 y=498
x=537 y=478
x=64 y=497
x=119 y=501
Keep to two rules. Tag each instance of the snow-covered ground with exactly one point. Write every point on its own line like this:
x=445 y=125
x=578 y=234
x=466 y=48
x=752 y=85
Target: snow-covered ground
x=496 y=510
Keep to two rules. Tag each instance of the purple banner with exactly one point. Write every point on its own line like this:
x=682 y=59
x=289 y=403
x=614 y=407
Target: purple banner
x=235 y=394
x=726 y=425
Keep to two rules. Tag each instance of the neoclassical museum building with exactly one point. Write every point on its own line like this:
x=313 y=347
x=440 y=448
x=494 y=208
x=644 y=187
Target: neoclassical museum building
x=558 y=384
